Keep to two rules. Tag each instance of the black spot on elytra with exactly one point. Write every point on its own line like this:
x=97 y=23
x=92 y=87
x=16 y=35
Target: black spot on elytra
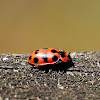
x=30 y=57
x=45 y=48
x=45 y=57
x=45 y=60
x=62 y=54
x=35 y=60
x=36 y=52
x=55 y=58
x=53 y=51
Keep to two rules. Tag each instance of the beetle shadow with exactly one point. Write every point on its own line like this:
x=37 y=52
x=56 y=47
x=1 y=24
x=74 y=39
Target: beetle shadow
x=54 y=67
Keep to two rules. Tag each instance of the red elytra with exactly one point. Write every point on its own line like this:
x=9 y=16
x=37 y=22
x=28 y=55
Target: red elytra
x=47 y=56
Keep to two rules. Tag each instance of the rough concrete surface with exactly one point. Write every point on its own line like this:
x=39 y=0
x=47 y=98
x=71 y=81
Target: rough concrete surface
x=19 y=80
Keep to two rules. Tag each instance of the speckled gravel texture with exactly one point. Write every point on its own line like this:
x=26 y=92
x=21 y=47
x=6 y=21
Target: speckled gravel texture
x=20 y=81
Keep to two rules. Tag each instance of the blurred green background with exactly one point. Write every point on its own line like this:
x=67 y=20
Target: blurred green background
x=72 y=25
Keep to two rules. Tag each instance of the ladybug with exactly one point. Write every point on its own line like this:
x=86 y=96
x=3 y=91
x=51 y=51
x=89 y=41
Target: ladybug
x=48 y=56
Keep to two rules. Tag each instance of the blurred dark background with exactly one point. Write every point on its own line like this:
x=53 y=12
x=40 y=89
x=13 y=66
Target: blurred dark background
x=72 y=25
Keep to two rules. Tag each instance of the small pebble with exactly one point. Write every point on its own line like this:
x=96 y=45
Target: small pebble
x=5 y=59
x=23 y=63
